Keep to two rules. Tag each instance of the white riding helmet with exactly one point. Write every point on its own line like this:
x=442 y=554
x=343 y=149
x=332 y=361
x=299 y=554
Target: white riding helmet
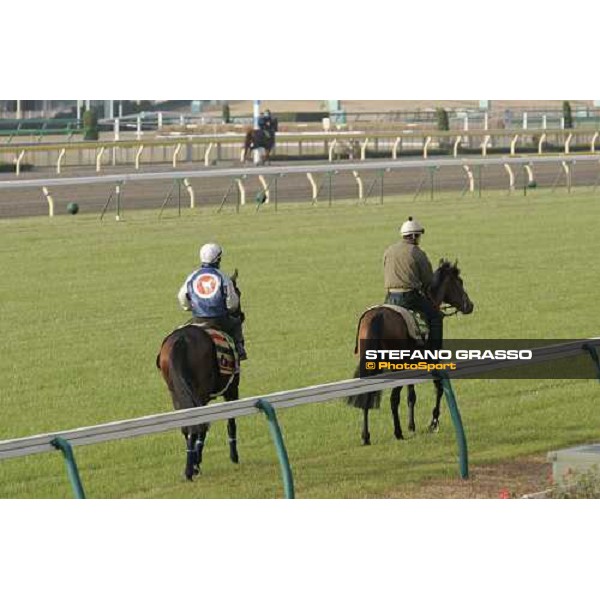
x=210 y=254
x=411 y=227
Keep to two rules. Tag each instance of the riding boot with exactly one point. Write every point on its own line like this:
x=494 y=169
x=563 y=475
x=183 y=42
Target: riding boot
x=238 y=336
x=436 y=332
x=241 y=350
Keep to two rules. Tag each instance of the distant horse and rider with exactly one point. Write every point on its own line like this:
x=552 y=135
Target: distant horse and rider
x=259 y=142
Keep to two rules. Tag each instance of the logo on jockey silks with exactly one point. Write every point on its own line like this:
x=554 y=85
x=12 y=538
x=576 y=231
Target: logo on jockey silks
x=207 y=285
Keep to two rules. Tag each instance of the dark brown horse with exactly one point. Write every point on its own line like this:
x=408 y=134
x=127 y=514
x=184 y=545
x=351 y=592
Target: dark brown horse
x=380 y=327
x=260 y=140
x=188 y=363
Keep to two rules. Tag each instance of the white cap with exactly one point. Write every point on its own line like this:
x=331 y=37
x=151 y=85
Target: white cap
x=411 y=227
x=210 y=254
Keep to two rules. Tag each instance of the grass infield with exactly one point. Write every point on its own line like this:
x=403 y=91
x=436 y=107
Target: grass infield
x=85 y=305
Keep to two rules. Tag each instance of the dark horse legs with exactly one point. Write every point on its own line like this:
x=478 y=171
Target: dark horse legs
x=395 y=405
x=233 y=393
x=434 y=426
x=195 y=445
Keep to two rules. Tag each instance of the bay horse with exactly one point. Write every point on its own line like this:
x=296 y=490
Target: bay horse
x=188 y=363
x=258 y=143
x=380 y=325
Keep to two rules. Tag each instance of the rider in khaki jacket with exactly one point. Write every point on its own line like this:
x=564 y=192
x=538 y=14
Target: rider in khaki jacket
x=407 y=277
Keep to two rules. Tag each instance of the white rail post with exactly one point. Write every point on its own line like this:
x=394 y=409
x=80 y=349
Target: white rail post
x=568 y=143
x=50 y=201
x=176 y=154
x=456 y=144
x=513 y=144
x=593 y=144
x=160 y=120
x=511 y=177
x=313 y=184
x=470 y=178
x=524 y=120
x=360 y=184
x=18 y=160
x=426 y=145
x=99 y=159
x=207 y=154
x=466 y=123
x=484 y=145
x=190 y=191
x=138 y=157
x=541 y=144
x=529 y=171
x=263 y=182
x=565 y=166
x=117 y=137
x=485 y=120
x=61 y=155
x=138 y=132
x=242 y=191
x=395 y=148
x=331 y=149
x=363 y=149
x=544 y=122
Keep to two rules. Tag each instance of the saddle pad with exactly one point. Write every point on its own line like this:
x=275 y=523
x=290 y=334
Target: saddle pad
x=227 y=356
x=417 y=331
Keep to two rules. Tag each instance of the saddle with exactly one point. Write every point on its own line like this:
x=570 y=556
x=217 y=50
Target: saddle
x=415 y=323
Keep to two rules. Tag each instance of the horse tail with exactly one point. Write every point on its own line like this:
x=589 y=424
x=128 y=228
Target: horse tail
x=372 y=341
x=180 y=376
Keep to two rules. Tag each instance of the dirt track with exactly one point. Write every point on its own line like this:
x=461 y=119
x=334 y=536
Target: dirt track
x=509 y=479
x=151 y=195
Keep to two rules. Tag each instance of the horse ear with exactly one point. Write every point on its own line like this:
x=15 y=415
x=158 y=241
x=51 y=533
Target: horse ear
x=235 y=275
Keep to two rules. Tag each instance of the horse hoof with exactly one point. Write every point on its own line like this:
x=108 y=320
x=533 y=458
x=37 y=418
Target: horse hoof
x=398 y=436
x=366 y=442
x=235 y=459
x=434 y=428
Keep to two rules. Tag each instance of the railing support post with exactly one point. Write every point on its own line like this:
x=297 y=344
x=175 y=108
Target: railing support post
x=64 y=446
x=286 y=470
x=463 y=456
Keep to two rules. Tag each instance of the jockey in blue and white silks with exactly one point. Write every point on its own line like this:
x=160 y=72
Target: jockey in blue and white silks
x=211 y=296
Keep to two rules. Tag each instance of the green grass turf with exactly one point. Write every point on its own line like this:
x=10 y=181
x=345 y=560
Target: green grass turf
x=85 y=305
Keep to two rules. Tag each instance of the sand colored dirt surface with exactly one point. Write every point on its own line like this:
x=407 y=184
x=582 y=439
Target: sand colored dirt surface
x=510 y=479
